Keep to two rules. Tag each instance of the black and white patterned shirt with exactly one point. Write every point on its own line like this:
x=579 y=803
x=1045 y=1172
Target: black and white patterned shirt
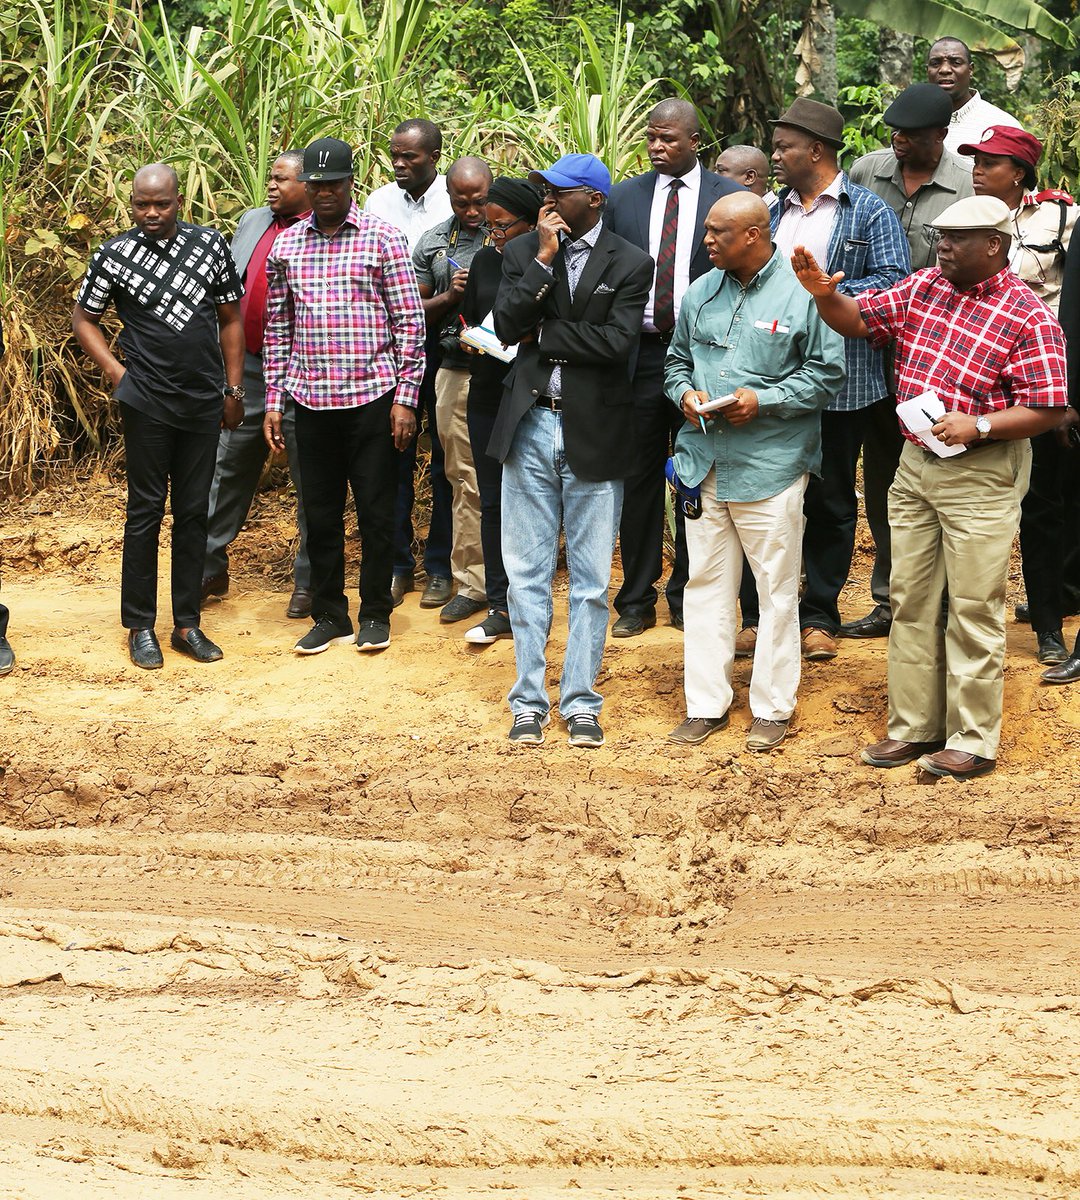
x=166 y=295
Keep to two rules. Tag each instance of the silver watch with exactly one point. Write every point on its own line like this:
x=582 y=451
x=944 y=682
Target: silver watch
x=237 y=393
x=982 y=427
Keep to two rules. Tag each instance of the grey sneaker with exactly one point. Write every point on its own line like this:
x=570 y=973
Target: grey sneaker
x=585 y=731
x=696 y=729
x=460 y=608
x=321 y=636
x=765 y=735
x=373 y=635
x=528 y=729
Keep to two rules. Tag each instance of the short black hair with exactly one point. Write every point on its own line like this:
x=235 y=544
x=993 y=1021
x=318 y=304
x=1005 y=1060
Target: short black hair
x=956 y=41
x=296 y=157
x=430 y=133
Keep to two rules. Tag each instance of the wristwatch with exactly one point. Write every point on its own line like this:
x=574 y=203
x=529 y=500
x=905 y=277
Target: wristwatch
x=982 y=427
x=237 y=393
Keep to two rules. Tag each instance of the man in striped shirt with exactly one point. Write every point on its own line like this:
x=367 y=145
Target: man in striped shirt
x=344 y=339
x=971 y=335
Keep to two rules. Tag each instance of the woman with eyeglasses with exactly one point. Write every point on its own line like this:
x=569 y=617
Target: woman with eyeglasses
x=512 y=209
x=1005 y=162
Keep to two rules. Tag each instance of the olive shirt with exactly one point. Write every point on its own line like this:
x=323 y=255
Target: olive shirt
x=880 y=172
x=432 y=263
x=767 y=336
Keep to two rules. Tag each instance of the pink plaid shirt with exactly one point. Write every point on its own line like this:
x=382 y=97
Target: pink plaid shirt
x=983 y=349
x=344 y=322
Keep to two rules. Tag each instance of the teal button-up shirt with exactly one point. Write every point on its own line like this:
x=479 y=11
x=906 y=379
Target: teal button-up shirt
x=767 y=336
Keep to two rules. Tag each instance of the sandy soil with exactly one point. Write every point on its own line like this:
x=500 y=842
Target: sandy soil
x=310 y=928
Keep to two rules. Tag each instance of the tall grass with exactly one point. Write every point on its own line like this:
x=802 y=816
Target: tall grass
x=97 y=87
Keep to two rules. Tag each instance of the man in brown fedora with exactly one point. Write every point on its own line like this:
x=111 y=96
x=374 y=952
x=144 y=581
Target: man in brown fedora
x=857 y=233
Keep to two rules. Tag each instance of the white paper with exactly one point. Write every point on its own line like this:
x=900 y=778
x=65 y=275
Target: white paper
x=919 y=415
x=718 y=402
x=483 y=337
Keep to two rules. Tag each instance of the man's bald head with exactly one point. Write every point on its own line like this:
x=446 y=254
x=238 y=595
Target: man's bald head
x=155 y=200
x=467 y=184
x=676 y=112
x=746 y=165
x=737 y=235
x=468 y=168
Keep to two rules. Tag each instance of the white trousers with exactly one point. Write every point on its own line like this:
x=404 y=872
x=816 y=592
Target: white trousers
x=769 y=532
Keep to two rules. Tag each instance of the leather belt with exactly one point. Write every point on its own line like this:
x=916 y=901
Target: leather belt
x=548 y=402
x=656 y=338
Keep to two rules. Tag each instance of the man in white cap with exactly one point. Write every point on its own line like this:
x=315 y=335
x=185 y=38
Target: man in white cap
x=572 y=297
x=972 y=337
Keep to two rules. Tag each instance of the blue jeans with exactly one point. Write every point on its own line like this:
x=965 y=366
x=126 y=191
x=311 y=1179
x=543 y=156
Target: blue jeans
x=539 y=491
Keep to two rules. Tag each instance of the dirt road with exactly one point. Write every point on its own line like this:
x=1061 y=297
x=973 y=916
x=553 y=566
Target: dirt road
x=310 y=928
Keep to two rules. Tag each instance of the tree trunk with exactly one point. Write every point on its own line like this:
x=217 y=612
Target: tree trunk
x=897 y=51
x=816 y=73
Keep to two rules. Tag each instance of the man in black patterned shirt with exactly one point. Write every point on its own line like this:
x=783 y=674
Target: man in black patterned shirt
x=177 y=295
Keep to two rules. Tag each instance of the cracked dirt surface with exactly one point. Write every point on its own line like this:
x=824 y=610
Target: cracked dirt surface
x=285 y=927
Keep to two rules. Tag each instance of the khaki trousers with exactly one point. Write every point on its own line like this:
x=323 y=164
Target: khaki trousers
x=466 y=555
x=953 y=521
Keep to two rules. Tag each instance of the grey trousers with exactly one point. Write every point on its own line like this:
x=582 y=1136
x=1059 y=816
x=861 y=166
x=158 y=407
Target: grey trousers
x=240 y=459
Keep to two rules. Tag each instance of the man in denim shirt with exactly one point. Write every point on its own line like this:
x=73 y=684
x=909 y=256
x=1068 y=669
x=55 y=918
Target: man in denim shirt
x=745 y=335
x=857 y=233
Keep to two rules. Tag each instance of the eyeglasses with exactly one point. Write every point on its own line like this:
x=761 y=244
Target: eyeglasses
x=559 y=192
x=499 y=231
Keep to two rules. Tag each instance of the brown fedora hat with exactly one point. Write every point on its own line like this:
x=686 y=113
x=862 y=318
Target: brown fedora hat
x=819 y=120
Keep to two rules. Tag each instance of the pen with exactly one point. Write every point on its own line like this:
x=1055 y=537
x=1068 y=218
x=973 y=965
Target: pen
x=933 y=420
x=456 y=265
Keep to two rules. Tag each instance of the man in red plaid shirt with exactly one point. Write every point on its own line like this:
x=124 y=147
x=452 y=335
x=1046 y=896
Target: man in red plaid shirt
x=344 y=338
x=970 y=331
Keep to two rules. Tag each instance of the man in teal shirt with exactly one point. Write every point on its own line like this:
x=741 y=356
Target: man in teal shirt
x=745 y=334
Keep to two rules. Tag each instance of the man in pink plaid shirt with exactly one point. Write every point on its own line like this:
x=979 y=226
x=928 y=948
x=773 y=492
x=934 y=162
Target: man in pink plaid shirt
x=971 y=335
x=345 y=340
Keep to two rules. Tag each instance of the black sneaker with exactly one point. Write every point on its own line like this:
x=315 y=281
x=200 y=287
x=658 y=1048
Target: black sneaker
x=321 y=636
x=373 y=635
x=585 y=731
x=528 y=729
x=494 y=626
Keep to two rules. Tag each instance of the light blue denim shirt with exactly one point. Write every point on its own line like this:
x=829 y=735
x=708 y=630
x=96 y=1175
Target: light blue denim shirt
x=767 y=336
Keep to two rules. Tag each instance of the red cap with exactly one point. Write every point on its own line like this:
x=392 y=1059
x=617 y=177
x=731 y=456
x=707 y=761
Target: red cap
x=1005 y=139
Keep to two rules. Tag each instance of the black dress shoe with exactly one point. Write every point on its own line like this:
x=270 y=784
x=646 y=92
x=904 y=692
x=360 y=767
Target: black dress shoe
x=7 y=657
x=299 y=604
x=437 y=592
x=874 y=625
x=1022 y=614
x=1052 y=648
x=633 y=624
x=1066 y=672
x=400 y=585
x=144 y=649
x=215 y=585
x=195 y=644
x=677 y=621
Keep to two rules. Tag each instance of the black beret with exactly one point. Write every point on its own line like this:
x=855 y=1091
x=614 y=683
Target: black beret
x=921 y=106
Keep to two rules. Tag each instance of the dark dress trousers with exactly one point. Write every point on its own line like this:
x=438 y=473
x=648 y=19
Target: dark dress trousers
x=656 y=420
x=591 y=338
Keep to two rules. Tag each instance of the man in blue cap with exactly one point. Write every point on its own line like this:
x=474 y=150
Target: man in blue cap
x=572 y=298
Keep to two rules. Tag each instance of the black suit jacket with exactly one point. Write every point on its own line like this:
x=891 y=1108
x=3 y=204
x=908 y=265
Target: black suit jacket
x=631 y=202
x=591 y=337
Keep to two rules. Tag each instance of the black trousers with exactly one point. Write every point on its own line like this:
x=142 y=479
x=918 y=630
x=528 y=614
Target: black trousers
x=481 y=422
x=641 y=532
x=1050 y=533
x=3 y=620
x=162 y=460
x=831 y=508
x=342 y=449
x=882 y=443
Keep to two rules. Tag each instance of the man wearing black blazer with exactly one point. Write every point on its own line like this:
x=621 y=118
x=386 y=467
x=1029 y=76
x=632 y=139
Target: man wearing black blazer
x=671 y=200
x=571 y=297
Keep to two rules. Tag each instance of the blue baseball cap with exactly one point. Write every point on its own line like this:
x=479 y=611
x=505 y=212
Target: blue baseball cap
x=575 y=170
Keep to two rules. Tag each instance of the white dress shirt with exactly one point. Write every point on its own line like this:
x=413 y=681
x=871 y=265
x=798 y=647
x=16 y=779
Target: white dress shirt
x=810 y=227
x=971 y=121
x=413 y=217
x=684 y=239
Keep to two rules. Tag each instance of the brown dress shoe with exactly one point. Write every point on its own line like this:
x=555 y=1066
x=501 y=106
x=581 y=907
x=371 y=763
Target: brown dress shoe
x=1066 y=672
x=299 y=604
x=957 y=763
x=745 y=642
x=817 y=645
x=894 y=753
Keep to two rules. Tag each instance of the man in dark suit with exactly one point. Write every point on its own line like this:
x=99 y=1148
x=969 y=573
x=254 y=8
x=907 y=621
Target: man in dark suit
x=664 y=213
x=242 y=452
x=571 y=297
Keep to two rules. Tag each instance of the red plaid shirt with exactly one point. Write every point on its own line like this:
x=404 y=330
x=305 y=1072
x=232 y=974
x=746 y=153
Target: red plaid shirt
x=344 y=322
x=983 y=349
